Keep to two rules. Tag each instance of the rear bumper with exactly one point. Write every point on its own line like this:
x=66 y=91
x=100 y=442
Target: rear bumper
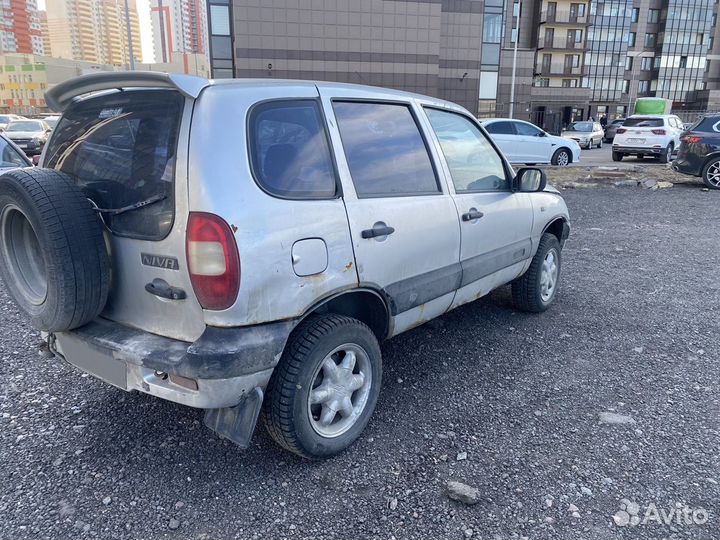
x=647 y=150
x=218 y=370
x=687 y=166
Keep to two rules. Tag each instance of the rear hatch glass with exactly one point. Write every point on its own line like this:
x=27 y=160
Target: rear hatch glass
x=643 y=122
x=708 y=124
x=120 y=149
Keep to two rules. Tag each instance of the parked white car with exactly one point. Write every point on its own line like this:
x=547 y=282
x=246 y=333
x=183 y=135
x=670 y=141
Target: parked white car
x=525 y=143
x=586 y=133
x=648 y=135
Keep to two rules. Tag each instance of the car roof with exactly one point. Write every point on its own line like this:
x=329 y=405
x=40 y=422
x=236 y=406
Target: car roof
x=490 y=120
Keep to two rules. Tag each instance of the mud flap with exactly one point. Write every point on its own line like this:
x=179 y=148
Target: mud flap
x=237 y=423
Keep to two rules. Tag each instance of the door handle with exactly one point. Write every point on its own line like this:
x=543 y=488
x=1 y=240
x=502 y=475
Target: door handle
x=472 y=215
x=382 y=230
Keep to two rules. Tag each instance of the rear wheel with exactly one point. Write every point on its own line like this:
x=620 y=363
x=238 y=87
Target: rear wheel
x=561 y=157
x=617 y=156
x=324 y=390
x=666 y=155
x=536 y=289
x=711 y=174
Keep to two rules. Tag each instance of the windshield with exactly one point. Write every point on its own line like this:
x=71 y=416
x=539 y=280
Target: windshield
x=4 y=119
x=9 y=157
x=643 y=122
x=25 y=125
x=120 y=150
x=581 y=126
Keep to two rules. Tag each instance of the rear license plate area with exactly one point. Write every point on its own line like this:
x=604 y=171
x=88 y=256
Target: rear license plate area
x=636 y=141
x=98 y=363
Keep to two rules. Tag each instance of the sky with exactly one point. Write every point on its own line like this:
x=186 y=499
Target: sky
x=143 y=7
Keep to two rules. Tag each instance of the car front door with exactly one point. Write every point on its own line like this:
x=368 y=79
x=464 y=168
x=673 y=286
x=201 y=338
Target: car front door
x=495 y=222
x=534 y=143
x=504 y=134
x=403 y=221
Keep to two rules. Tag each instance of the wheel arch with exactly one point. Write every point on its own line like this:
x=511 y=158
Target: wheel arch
x=559 y=227
x=365 y=304
x=712 y=156
x=557 y=150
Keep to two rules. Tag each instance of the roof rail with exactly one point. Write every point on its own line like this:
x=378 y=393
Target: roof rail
x=61 y=95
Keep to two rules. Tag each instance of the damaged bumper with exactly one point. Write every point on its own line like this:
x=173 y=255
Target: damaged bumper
x=225 y=371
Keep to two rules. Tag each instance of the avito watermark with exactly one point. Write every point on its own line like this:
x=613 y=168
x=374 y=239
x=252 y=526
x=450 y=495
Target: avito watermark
x=631 y=515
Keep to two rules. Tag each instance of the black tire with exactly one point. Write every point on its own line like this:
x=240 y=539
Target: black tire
x=526 y=290
x=617 y=156
x=666 y=156
x=711 y=180
x=599 y=144
x=286 y=410
x=556 y=159
x=45 y=219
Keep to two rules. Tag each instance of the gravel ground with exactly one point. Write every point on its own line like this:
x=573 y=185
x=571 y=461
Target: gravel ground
x=634 y=332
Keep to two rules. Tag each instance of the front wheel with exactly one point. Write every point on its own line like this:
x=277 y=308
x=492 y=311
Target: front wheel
x=617 y=156
x=324 y=390
x=536 y=289
x=561 y=158
x=711 y=174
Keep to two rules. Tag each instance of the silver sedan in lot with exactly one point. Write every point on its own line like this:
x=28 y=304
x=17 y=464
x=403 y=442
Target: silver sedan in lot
x=587 y=134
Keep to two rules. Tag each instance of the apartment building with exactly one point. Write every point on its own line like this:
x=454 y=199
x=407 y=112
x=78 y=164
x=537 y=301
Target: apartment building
x=93 y=31
x=20 y=27
x=179 y=27
x=556 y=61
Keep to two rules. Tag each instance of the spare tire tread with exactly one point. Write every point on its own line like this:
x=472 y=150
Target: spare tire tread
x=71 y=233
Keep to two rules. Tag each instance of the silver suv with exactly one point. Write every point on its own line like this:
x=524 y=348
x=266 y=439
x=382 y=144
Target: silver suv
x=243 y=246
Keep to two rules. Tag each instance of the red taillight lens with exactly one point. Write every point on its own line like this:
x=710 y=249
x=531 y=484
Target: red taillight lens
x=213 y=261
x=659 y=132
x=690 y=139
x=621 y=130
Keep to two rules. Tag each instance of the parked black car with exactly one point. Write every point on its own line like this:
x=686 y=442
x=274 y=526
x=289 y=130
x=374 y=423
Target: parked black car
x=611 y=129
x=699 y=152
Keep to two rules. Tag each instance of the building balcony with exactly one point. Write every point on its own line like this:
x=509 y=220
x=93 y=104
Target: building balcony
x=554 y=70
x=561 y=44
x=565 y=17
x=561 y=94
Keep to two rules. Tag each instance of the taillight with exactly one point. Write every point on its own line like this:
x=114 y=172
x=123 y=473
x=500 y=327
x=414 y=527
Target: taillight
x=658 y=132
x=621 y=130
x=213 y=261
x=690 y=139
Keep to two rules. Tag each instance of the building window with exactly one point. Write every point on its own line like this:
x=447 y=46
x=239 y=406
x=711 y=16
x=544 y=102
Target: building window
x=643 y=87
x=628 y=63
x=488 y=84
x=569 y=83
x=635 y=15
x=650 y=40
x=492 y=27
x=683 y=61
x=631 y=39
x=647 y=63
x=626 y=87
x=654 y=16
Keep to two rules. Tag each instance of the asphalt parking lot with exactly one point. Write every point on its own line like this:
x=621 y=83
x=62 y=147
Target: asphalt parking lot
x=635 y=332
x=603 y=156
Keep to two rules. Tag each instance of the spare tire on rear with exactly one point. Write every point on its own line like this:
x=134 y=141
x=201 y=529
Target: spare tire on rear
x=53 y=257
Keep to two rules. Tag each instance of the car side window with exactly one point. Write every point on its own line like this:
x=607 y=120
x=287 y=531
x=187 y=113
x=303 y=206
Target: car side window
x=473 y=162
x=289 y=150
x=501 y=128
x=385 y=150
x=526 y=129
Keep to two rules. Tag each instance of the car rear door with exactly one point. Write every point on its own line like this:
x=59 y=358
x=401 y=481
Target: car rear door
x=495 y=222
x=403 y=221
x=505 y=137
x=535 y=147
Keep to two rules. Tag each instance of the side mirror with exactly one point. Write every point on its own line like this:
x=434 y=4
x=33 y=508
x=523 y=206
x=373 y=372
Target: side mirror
x=529 y=180
x=36 y=159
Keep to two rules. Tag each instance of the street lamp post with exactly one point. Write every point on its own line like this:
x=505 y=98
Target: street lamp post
x=514 y=64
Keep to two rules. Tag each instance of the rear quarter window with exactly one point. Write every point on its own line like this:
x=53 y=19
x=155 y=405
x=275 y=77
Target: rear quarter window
x=289 y=150
x=120 y=149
